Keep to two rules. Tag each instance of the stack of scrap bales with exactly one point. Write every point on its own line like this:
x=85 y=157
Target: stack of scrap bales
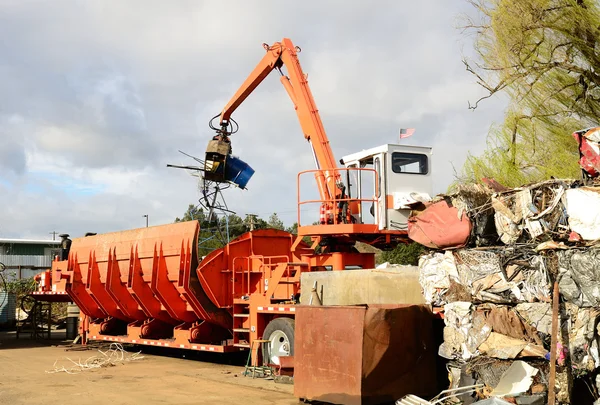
x=496 y=254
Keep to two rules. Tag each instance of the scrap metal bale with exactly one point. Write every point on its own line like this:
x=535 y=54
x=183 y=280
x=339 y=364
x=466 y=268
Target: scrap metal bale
x=495 y=275
x=532 y=213
x=583 y=209
x=436 y=270
x=580 y=276
x=475 y=200
x=465 y=330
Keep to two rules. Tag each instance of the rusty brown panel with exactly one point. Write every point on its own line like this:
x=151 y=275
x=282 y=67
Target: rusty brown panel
x=399 y=353
x=360 y=355
x=327 y=354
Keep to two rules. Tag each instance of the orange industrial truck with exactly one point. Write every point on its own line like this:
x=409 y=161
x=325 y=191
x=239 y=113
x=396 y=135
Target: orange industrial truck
x=148 y=286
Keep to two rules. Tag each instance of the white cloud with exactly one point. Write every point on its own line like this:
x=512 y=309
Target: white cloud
x=95 y=100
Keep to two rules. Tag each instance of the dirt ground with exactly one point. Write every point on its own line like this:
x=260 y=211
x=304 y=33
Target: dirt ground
x=155 y=379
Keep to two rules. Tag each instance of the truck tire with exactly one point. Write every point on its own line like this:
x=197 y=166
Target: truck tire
x=280 y=333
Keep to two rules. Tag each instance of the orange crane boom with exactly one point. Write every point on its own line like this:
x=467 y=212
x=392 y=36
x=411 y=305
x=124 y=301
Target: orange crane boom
x=278 y=55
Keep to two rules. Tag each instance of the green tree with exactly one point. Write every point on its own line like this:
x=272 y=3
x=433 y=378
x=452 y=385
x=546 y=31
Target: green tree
x=404 y=254
x=192 y=213
x=235 y=224
x=542 y=54
x=292 y=229
x=275 y=222
x=20 y=288
x=254 y=222
x=215 y=233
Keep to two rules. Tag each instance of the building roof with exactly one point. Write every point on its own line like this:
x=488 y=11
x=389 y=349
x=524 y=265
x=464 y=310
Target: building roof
x=4 y=241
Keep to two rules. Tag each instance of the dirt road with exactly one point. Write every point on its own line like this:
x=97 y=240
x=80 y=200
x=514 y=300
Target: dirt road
x=151 y=380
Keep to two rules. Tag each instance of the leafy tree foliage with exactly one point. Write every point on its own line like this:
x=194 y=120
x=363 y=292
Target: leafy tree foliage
x=542 y=54
x=404 y=254
x=192 y=213
x=293 y=229
x=275 y=222
x=20 y=288
x=217 y=231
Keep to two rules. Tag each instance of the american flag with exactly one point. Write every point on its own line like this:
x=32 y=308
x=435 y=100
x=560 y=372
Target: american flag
x=406 y=132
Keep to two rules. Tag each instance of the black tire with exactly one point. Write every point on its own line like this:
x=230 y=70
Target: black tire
x=285 y=325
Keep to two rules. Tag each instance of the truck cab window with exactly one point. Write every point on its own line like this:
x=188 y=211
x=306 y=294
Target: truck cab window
x=412 y=163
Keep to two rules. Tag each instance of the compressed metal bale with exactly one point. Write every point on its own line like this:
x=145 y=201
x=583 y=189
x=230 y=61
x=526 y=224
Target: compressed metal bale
x=487 y=275
x=488 y=370
x=583 y=208
x=474 y=265
x=580 y=276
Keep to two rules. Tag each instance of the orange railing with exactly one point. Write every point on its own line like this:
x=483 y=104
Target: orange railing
x=266 y=266
x=331 y=210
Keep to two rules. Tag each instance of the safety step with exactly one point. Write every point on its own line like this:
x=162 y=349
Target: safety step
x=246 y=345
x=241 y=315
x=241 y=330
x=241 y=301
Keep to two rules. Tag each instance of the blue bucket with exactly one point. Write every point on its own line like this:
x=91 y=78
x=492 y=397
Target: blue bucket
x=237 y=171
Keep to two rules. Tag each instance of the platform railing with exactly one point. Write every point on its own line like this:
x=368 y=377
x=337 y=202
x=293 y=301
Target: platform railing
x=337 y=211
x=267 y=264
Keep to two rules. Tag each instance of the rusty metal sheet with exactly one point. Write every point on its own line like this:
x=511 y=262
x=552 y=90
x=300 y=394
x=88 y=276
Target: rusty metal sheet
x=328 y=354
x=359 y=355
x=440 y=226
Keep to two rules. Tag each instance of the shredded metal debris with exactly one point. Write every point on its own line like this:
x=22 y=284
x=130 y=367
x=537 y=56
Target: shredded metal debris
x=494 y=281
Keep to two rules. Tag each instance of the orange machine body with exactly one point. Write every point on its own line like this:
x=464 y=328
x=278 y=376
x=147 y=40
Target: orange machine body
x=146 y=286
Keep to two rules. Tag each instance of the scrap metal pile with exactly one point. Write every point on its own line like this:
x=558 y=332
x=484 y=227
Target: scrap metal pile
x=496 y=255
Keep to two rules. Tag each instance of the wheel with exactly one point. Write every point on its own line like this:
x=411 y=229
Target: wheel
x=280 y=334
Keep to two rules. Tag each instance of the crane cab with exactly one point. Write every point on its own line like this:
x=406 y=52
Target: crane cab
x=400 y=179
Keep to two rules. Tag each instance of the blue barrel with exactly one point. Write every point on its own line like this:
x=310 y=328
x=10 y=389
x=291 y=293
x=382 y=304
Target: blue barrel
x=237 y=171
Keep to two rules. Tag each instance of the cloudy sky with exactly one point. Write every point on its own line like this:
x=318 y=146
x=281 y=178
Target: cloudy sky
x=97 y=97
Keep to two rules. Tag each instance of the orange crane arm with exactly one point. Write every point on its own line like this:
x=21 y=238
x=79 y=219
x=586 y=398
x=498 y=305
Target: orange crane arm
x=280 y=54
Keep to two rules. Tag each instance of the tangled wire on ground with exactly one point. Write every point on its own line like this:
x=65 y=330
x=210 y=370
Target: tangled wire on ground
x=115 y=354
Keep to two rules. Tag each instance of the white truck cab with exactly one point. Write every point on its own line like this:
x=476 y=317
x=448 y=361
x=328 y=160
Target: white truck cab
x=403 y=177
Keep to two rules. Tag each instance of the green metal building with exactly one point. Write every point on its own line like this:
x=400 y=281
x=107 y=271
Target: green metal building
x=24 y=258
